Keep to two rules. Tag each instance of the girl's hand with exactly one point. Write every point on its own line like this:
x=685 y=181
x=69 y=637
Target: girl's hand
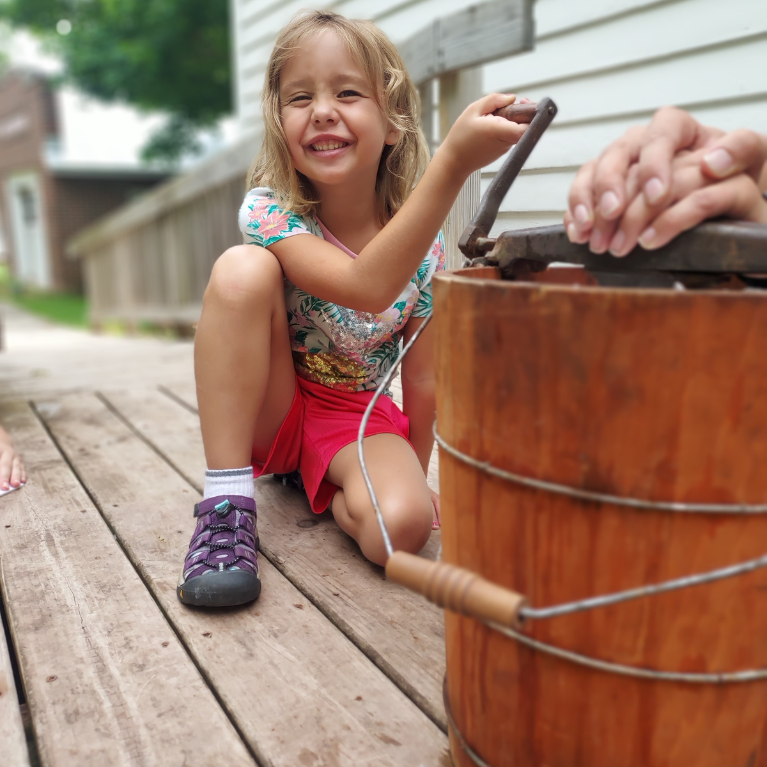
x=12 y=471
x=479 y=137
x=437 y=522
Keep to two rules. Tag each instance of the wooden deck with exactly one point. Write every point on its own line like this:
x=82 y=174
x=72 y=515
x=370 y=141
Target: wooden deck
x=333 y=665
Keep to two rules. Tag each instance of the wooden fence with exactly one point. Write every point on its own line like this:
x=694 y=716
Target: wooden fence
x=150 y=261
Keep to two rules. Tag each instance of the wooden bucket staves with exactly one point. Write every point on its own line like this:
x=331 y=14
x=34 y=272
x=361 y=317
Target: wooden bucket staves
x=653 y=396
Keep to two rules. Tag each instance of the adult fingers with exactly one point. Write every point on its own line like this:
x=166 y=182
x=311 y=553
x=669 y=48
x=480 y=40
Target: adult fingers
x=737 y=197
x=609 y=186
x=580 y=210
x=686 y=179
x=736 y=152
x=605 y=231
x=669 y=131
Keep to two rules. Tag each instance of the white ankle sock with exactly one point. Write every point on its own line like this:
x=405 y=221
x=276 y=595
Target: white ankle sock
x=229 y=482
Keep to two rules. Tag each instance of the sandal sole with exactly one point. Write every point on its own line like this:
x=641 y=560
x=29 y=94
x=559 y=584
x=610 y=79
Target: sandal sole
x=227 y=589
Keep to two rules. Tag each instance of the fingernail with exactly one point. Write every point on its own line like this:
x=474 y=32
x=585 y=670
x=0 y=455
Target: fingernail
x=609 y=203
x=616 y=246
x=582 y=214
x=572 y=232
x=647 y=238
x=654 y=189
x=597 y=243
x=719 y=161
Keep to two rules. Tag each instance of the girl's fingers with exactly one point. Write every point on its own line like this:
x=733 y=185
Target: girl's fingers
x=736 y=152
x=488 y=104
x=738 y=197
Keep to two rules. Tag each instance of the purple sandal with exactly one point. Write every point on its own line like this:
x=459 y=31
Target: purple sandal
x=221 y=568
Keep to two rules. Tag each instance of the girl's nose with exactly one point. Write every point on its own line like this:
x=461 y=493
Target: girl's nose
x=324 y=111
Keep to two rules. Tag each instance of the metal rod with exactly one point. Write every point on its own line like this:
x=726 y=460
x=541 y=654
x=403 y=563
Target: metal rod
x=361 y=434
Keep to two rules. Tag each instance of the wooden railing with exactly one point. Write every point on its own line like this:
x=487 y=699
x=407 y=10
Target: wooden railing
x=151 y=260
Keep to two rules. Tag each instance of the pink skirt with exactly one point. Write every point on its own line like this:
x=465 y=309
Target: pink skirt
x=319 y=423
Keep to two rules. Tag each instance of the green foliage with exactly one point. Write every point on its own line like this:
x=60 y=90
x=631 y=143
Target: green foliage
x=170 y=55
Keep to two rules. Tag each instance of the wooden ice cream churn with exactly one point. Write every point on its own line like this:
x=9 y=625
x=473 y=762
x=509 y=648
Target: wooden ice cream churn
x=603 y=475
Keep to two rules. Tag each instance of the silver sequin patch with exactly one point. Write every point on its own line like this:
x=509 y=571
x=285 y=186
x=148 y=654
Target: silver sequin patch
x=356 y=333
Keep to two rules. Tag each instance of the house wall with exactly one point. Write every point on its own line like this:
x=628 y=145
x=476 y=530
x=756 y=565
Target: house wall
x=40 y=208
x=27 y=120
x=608 y=64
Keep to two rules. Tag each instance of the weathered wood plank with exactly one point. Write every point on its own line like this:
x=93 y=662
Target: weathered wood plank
x=13 y=748
x=107 y=680
x=401 y=632
x=483 y=32
x=299 y=691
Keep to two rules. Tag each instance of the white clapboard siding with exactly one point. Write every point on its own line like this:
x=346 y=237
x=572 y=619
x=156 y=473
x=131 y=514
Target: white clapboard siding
x=608 y=64
x=258 y=23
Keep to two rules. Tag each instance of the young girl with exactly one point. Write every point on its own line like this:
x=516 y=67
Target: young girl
x=297 y=331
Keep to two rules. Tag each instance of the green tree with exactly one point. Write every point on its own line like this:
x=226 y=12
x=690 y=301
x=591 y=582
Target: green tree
x=170 y=55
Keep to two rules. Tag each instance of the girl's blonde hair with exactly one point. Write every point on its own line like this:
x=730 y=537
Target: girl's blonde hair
x=401 y=164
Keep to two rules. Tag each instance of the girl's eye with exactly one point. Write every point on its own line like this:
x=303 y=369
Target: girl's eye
x=347 y=94
x=302 y=97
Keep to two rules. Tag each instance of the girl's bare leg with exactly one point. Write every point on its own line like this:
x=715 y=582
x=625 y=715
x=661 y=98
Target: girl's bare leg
x=242 y=360
x=402 y=492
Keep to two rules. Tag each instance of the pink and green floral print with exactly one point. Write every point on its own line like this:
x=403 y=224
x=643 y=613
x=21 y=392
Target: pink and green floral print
x=333 y=345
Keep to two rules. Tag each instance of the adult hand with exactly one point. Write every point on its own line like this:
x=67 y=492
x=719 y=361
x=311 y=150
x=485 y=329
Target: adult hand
x=437 y=521
x=12 y=471
x=693 y=198
x=641 y=164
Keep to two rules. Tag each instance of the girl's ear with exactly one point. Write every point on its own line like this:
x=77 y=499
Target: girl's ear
x=392 y=137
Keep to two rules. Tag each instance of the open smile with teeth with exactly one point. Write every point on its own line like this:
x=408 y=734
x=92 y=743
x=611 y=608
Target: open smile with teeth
x=326 y=146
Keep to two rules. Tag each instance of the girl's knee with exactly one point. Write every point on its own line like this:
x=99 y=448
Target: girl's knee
x=244 y=273
x=409 y=522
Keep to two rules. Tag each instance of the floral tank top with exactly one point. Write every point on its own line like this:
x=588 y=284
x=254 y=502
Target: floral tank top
x=338 y=347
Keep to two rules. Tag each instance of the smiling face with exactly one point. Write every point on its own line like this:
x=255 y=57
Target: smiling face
x=331 y=117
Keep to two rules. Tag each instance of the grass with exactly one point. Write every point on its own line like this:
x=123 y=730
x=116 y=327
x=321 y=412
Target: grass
x=62 y=308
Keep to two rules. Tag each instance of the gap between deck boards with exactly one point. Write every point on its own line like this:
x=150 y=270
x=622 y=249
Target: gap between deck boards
x=66 y=450
x=420 y=680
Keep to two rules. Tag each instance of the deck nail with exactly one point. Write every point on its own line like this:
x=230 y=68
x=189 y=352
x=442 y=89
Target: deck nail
x=165 y=644
x=51 y=678
x=207 y=634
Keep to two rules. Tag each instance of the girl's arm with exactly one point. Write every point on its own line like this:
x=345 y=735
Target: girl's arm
x=418 y=390
x=373 y=280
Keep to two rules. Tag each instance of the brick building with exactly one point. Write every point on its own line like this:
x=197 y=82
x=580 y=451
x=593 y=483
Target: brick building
x=42 y=203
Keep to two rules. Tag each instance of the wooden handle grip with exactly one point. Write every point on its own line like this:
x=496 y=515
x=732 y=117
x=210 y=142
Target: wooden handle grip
x=456 y=589
x=518 y=113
